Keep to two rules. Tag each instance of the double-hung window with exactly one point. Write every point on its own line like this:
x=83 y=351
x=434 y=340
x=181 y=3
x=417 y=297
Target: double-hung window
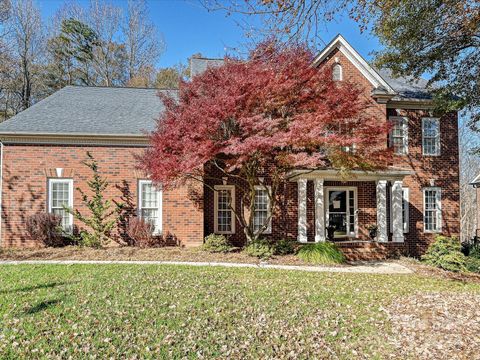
x=399 y=135
x=262 y=210
x=405 y=210
x=150 y=204
x=432 y=209
x=431 y=136
x=224 y=199
x=60 y=196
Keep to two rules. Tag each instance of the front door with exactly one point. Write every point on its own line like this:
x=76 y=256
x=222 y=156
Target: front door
x=341 y=211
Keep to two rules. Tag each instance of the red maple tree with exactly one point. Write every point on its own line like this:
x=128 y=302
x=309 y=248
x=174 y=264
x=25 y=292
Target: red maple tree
x=253 y=121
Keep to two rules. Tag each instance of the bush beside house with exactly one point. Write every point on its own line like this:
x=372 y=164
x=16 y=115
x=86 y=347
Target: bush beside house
x=215 y=243
x=46 y=229
x=446 y=253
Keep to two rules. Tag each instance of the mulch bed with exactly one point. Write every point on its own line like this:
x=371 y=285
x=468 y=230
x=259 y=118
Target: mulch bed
x=430 y=271
x=131 y=253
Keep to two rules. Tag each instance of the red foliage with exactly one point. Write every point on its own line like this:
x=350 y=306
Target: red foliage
x=141 y=234
x=274 y=108
x=46 y=228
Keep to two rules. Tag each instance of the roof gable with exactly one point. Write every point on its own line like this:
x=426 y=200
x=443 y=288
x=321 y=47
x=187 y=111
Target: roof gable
x=356 y=59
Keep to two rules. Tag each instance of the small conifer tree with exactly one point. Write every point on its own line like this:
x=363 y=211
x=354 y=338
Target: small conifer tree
x=101 y=218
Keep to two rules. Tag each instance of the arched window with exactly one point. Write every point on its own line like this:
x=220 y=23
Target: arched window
x=337 y=72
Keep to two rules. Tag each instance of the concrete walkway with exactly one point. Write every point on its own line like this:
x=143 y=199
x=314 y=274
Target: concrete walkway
x=365 y=268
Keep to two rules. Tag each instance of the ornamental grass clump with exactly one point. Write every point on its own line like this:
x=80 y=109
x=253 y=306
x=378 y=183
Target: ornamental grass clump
x=445 y=253
x=325 y=253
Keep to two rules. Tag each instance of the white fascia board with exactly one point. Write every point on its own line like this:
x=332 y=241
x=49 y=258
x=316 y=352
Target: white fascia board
x=356 y=59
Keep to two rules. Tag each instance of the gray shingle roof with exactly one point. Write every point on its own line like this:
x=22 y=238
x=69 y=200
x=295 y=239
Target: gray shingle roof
x=199 y=65
x=90 y=110
x=78 y=110
x=406 y=88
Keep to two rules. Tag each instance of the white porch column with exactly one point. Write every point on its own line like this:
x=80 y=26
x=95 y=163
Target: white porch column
x=382 y=210
x=302 y=210
x=397 y=213
x=319 y=211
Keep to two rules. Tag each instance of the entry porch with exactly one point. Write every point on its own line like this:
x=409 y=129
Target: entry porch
x=347 y=208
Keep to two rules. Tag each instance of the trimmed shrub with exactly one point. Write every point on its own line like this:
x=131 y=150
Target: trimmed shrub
x=140 y=233
x=445 y=253
x=261 y=249
x=284 y=247
x=46 y=228
x=321 y=253
x=473 y=264
x=215 y=243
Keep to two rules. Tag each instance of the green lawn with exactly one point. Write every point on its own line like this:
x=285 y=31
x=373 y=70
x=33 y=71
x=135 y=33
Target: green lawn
x=192 y=312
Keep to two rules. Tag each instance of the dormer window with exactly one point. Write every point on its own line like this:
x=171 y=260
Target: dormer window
x=337 y=72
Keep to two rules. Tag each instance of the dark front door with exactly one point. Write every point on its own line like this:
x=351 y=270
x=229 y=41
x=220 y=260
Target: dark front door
x=341 y=211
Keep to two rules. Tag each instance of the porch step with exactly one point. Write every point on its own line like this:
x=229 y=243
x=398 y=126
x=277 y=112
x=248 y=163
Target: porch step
x=363 y=250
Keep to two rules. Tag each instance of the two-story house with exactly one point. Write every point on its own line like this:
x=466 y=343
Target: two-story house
x=417 y=197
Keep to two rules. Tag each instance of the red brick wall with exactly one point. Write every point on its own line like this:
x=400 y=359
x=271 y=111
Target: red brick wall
x=26 y=169
x=353 y=75
x=441 y=171
x=24 y=187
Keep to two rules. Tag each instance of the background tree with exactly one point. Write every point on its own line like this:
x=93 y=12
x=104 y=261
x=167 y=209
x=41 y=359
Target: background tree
x=144 y=78
x=142 y=41
x=27 y=35
x=170 y=78
x=71 y=55
x=437 y=37
x=93 y=43
x=255 y=121
x=5 y=8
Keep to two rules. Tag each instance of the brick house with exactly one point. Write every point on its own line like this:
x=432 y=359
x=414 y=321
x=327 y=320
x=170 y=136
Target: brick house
x=416 y=198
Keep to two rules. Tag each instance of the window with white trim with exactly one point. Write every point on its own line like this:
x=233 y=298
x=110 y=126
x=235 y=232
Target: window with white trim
x=405 y=210
x=224 y=200
x=431 y=136
x=399 y=135
x=262 y=209
x=337 y=72
x=60 y=196
x=150 y=204
x=432 y=209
